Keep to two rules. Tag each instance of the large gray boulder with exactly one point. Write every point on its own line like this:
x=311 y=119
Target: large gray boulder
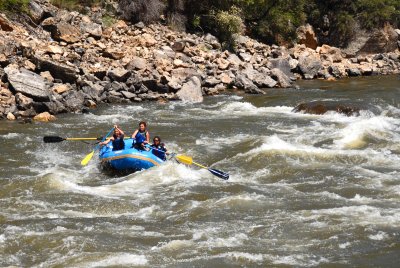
x=247 y=85
x=28 y=83
x=65 y=73
x=282 y=79
x=191 y=90
x=93 y=29
x=309 y=66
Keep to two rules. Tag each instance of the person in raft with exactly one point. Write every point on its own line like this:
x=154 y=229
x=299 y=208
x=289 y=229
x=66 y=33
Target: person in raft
x=117 y=139
x=159 y=149
x=141 y=136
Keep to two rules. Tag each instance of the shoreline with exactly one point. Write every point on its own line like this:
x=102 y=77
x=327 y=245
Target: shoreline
x=69 y=62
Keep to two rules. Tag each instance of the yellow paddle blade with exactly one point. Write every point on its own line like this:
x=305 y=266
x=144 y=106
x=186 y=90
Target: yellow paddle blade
x=87 y=158
x=184 y=159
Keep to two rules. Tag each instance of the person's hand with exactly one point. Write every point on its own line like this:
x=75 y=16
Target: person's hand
x=115 y=126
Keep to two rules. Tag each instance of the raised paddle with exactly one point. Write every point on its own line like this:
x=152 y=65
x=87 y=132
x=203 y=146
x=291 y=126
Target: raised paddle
x=53 y=139
x=88 y=157
x=189 y=161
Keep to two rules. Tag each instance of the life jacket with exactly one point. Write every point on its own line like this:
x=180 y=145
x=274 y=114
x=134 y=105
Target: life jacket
x=140 y=137
x=159 y=151
x=118 y=143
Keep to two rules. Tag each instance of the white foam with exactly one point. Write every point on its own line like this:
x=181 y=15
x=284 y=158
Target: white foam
x=10 y=136
x=379 y=236
x=118 y=259
x=238 y=256
x=344 y=245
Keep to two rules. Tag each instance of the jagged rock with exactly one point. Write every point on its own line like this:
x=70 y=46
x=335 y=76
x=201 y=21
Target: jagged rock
x=247 y=85
x=211 y=82
x=309 y=66
x=54 y=49
x=306 y=36
x=58 y=70
x=61 y=88
x=36 y=12
x=181 y=74
x=113 y=53
x=62 y=31
x=281 y=64
x=74 y=100
x=191 y=90
x=178 y=46
x=47 y=76
x=353 y=72
x=119 y=74
x=334 y=53
x=28 y=83
x=27 y=113
x=226 y=78
x=128 y=95
x=23 y=102
x=137 y=63
x=93 y=29
x=44 y=117
x=245 y=56
x=262 y=80
x=147 y=40
x=10 y=116
x=234 y=60
x=282 y=79
x=323 y=107
x=5 y=24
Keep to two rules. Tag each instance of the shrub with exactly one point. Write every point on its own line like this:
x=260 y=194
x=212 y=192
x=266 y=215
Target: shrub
x=228 y=24
x=141 y=10
x=14 y=6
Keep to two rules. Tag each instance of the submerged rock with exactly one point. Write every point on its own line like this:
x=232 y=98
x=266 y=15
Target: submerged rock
x=324 y=107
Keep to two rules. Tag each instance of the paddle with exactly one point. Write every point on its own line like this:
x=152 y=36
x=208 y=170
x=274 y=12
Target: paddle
x=53 y=139
x=88 y=157
x=189 y=161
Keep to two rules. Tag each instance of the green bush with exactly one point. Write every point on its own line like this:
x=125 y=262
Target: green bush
x=14 y=6
x=228 y=24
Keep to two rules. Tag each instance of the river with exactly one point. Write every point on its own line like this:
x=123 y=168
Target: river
x=305 y=190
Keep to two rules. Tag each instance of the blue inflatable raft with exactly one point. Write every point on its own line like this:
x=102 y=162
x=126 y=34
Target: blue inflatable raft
x=130 y=159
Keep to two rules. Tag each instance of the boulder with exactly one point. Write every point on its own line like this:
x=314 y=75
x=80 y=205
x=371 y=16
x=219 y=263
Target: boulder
x=247 y=85
x=263 y=81
x=5 y=24
x=58 y=70
x=28 y=83
x=44 y=117
x=309 y=66
x=378 y=41
x=233 y=59
x=282 y=79
x=74 y=101
x=281 y=64
x=323 y=107
x=93 y=29
x=353 y=72
x=113 y=53
x=118 y=74
x=333 y=53
x=306 y=36
x=36 y=12
x=213 y=41
x=191 y=90
x=61 y=88
x=182 y=74
x=137 y=63
x=62 y=31
x=178 y=46
x=10 y=116
x=23 y=102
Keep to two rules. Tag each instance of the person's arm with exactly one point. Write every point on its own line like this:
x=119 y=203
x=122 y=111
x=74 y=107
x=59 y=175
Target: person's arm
x=120 y=130
x=147 y=137
x=107 y=141
x=134 y=133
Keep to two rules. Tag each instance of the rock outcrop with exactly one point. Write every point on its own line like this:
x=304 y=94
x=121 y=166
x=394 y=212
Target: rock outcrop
x=324 y=107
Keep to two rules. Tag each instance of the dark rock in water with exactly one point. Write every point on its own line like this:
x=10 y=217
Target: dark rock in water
x=309 y=66
x=74 y=101
x=324 y=107
x=353 y=72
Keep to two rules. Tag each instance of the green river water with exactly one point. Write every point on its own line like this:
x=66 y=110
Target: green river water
x=305 y=190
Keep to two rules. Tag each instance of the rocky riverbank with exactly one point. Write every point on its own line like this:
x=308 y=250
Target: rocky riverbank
x=61 y=61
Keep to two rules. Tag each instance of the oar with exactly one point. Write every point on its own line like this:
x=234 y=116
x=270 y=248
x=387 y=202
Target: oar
x=53 y=139
x=189 y=161
x=88 y=157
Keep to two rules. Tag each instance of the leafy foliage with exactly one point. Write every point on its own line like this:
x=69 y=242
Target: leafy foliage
x=228 y=24
x=14 y=6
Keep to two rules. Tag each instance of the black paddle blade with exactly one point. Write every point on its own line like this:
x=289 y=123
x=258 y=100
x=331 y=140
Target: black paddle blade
x=51 y=139
x=219 y=173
